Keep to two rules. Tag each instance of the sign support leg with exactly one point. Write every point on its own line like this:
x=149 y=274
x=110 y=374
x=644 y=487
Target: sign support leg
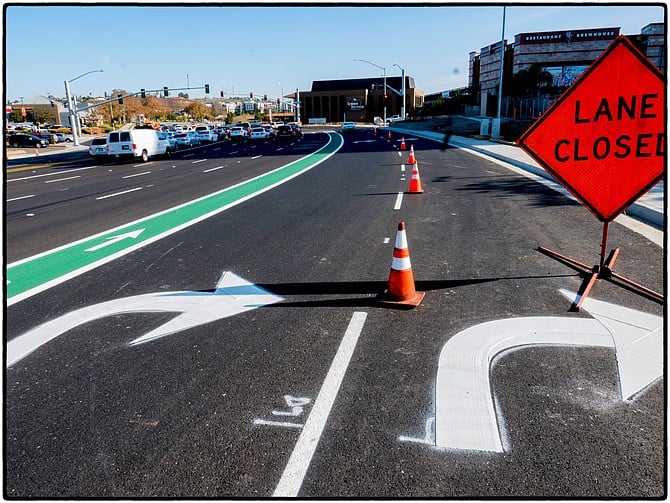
x=601 y=271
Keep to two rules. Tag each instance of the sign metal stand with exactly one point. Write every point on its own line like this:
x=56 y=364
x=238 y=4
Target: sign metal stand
x=611 y=148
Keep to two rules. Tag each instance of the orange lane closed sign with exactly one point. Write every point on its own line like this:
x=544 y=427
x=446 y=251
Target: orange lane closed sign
x=604 y=138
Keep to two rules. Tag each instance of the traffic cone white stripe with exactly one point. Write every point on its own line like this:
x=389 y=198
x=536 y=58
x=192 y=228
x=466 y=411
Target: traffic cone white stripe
x=401 y=239
x=401 y=263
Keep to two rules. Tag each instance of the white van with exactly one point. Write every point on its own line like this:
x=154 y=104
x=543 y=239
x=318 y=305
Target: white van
x=137 y=143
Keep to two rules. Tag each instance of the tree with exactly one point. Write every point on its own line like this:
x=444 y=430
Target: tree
x=529 y=81
x=197 y=110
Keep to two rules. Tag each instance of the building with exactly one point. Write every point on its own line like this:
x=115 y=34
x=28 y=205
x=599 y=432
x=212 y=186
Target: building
x=359 y=100
x=564 y=54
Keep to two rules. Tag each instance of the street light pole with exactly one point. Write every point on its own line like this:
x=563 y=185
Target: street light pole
x=402 y=70
x=384 y=70
x=495 y=133
x=72 y=113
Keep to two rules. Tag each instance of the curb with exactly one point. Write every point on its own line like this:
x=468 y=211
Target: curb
x=638 y=210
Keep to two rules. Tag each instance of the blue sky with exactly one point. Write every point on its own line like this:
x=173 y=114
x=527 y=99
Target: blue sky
x=269 y=49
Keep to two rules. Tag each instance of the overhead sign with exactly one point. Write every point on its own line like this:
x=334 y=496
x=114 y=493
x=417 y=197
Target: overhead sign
x=604 y=138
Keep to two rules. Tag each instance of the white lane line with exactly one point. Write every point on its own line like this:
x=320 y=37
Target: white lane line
x=22 y=197
x=398 y=201
x=387 y=241
x=256 y=157
x=402 y=167
x=214 y=169
x=118 y=193
x=294 y=473
x=63 y=179
x=137 y=174
x=143 y=164
x=47 y=174
x=199 y=160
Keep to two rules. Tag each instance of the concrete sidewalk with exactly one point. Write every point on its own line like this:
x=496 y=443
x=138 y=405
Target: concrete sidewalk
x=649 y=208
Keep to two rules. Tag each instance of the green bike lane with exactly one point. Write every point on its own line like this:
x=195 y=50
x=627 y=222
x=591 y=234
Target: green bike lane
x=38 y=273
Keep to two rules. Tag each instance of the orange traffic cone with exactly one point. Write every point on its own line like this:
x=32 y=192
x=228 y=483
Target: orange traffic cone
x=411 y=160
x=389 y=135
x=402 y=144
x=415 y=181
x=401 y=291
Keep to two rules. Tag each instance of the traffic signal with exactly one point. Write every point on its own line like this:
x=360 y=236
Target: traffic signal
x=120 y=99
x=165 y=91
x=265 y=97
x=251 y=95
x=278 y=101
x=222 y=94
x=206 y=88
x=143 y=93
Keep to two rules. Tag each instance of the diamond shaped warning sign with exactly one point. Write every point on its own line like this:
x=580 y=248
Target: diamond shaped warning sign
x=604 y=138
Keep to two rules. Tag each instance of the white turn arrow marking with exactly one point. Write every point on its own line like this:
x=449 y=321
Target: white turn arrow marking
x=464 y=407
x=116 y=239
x=233 y=295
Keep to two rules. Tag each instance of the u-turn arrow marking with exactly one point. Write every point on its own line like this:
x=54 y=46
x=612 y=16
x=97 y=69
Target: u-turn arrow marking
x=465 y=415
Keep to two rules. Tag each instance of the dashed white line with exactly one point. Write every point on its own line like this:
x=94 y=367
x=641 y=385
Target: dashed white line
x=63 y=179
x=137 y=174
x=398 y=201
x=294 y=473
x=22 y=197
x=47 y=174
x=199 y=160
x=214 y=169
x=256 y=157
x=118 y=193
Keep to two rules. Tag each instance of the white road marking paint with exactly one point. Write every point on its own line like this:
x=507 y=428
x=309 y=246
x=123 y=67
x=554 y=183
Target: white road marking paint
x=387 y=241
x=294 y=472
x=118 y=193
x=398 y=201
x=19 y=198
x=464 y=407
x=63 y=179
x=295 y=403
x=278 y=423
x=256 y=157
x=137 y=174
x=189 y=155
x=199 y=160
x=143 y=164
x=399 y=154
x=402 y=167
x=214 y=169
x=429 y=437
x=115 y=239
x=233 y=295
x=48 y=174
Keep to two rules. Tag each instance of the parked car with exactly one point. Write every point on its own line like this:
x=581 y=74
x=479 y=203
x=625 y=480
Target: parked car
x=348 y=127
x=64 y=138
x=238 y=133
x=286 y=132
x=26 y=140
x=98 y=148
x=259 y=133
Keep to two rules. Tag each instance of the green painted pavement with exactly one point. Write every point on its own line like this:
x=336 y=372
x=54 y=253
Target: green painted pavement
x=35 y=274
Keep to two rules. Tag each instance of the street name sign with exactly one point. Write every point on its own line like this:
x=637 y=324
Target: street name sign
x=604 y=138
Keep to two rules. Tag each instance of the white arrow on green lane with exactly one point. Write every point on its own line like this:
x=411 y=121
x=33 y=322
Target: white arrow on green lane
x=115 y=239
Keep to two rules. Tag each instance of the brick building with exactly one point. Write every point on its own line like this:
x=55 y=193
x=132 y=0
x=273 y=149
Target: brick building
x=358 y=100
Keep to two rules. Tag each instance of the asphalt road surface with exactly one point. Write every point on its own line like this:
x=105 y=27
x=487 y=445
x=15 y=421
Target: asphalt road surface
x=312 y=388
